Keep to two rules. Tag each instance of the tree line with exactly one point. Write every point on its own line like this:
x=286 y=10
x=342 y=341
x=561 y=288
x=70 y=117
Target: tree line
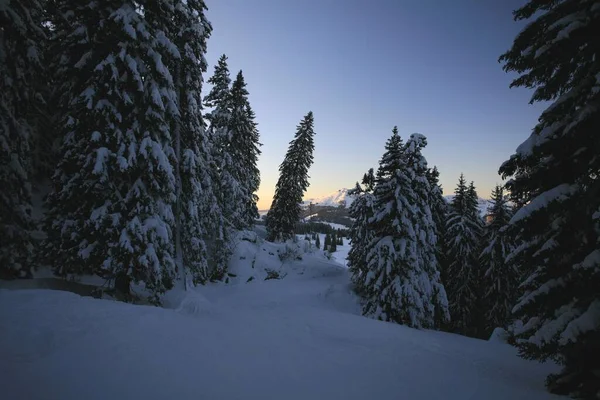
x=102 y=104
x=534 y=269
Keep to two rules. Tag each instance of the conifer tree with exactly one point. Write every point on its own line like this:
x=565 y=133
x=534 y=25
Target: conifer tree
x=293 y=181
x=21 y=63
x=244 y=149
x=219 y=101
x=327 y=242
x=112 y=209
x=318 y=242
x=361 y=210
x=554 y=183
x=463 y=239
x=500 y=278
x=439 y=210
x=192 y=145
x=333 y=243
x=403 y=282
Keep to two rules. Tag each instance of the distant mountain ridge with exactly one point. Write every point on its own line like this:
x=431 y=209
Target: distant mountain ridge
x=336 y=198
x=331 y=200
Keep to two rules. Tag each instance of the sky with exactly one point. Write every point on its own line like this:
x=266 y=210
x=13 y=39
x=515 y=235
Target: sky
x=365 y=66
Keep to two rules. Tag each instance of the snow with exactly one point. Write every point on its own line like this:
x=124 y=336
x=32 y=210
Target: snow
x=333 y=225
x=535 y=140
x=340 y=256
x=332 y=199
x=102 y=155
x=588 y=321
x=499 y=335
x=298 y=337
x=559 y=193
x=566 y=31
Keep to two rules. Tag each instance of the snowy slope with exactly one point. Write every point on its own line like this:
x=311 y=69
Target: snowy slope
x=300 y=337
x=331 y=200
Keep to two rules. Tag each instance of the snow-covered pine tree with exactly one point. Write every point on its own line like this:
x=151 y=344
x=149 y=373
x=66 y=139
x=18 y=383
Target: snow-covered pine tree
x=439 y=210
x=478 y=308
x=219 y=101
x=293 y=181
x=500 y=279
x=555 y=182
x=21 y=52
x=473 y=203
x=243 y=147
x=114 y=188
x=403 y=282
x=463 y=247
x=360 y=234
x=192 y=145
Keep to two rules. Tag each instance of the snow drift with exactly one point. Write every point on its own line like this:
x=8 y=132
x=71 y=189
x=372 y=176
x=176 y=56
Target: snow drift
x=300 y=336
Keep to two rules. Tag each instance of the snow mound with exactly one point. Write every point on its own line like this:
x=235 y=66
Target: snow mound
x=195 y=304
x=499 y=335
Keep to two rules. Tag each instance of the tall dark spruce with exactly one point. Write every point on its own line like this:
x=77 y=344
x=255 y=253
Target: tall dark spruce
x=500 y=278
x=463 y=247
x=293 y=182
x=219 y=101
x=243 y=151
x=21 y=64
x=360 y=234
x=554 y=180
x=195 y=181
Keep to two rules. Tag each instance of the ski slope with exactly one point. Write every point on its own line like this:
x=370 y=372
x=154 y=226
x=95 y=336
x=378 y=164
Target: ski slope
x=299 y=337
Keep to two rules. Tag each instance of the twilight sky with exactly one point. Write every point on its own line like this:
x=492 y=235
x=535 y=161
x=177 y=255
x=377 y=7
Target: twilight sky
x=428 y=66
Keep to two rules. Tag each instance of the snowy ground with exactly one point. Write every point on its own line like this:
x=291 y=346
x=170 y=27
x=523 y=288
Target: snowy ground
x=299 y=337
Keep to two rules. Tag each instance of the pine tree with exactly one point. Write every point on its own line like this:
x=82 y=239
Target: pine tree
x=361 y=210
x=554 y=181
x=327 y=242
x=192 y=145
x=463 y=239
x=439 y=210
x=340 y=240
x=293 y=182
x=318 y=242
x=238 y=151
x=21 y=51
x=500 y=279
x=403 y=282
x=219 y=100
x=243 y=148
x=112 y=209
x=333 y=243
